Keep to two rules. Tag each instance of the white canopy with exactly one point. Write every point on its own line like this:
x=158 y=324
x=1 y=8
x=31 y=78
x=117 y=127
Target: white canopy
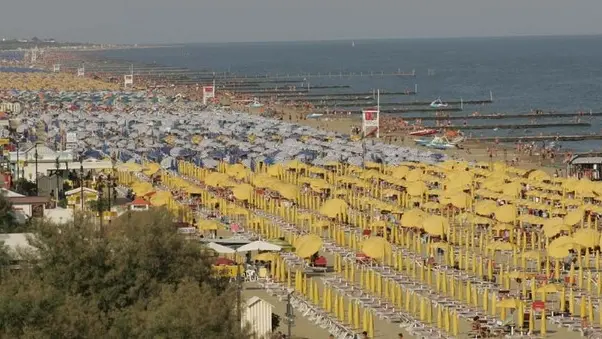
x=221 y=249
x=258 y=246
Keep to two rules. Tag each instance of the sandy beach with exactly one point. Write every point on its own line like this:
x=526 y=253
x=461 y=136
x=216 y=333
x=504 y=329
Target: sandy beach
x=471 y=151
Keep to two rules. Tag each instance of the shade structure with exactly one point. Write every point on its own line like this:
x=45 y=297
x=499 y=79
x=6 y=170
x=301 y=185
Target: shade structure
x=258 y=246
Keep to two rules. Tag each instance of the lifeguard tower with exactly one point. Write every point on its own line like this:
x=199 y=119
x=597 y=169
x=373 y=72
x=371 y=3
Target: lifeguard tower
x=371 y=119
x=208 y=93
x=128 y=79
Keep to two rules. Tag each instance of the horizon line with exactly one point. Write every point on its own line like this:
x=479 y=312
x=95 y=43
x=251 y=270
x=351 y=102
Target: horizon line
x=158 y=44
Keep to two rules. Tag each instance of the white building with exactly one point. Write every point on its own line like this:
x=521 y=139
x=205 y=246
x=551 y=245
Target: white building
x=26 y=207
x=13 y=107
x=258 y=315
x=47 y=162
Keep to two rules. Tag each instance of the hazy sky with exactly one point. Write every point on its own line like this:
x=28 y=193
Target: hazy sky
x=171 y=21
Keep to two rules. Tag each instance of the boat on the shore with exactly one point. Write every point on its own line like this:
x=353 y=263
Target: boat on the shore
x=424 y=132
x=438 y=104
x=314 y=115
x=441 y=143
x=255 y=103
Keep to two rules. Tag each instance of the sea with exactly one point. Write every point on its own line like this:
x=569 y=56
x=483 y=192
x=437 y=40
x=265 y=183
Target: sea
x=548 y=73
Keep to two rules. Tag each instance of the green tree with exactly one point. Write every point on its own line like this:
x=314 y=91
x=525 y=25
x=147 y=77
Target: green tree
x=8 y=222
x=25 y=187
x=139 y=280
x=95 y=205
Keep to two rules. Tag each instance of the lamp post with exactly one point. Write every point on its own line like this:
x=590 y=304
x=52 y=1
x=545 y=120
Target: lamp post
x=17 y=164
x=290 y=314
x=81 y=179
x=99 y=206
x=56 y=174
x=36 y=161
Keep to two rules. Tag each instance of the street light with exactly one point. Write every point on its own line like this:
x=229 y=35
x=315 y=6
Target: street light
x=290 y=314
x=81 y=178
x=37 y=182
x=56 y=174
x=99 y=206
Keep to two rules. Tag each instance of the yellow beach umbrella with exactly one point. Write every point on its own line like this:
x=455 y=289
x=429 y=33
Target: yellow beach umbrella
x=376 y=247
x=308 y=245
x=435 y=225
x=508 y=303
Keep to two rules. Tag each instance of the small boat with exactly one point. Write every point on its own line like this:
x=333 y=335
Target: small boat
x=353 y=44
x=441 y=143
x=438 y=103
x=424 y=132
x=437 y=143
x=255 y=103
x=422 y=142
x=314 y=115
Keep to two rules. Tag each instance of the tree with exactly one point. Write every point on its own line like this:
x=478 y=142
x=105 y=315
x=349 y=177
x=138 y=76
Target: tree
x=25 y=187
x=139 y=280
x=8 y=222
x=95 y=205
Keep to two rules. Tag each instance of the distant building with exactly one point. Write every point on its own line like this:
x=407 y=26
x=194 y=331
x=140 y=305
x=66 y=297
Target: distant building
x=47 y=162
x=26 y=207
x=139 y=204
x=74 y=197
x=587 y=165
x=11 y=106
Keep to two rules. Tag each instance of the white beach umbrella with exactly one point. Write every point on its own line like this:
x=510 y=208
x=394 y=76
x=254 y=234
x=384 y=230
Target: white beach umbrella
x=259 y=246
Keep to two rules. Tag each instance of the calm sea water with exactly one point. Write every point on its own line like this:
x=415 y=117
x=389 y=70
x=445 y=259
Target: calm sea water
x=550 y=73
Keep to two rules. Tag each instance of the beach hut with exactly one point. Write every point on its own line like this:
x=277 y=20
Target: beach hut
x=258 y=315
x=139 y=204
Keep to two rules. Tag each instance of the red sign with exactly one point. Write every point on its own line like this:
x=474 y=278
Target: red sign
x=370 y=115
x=208 y=89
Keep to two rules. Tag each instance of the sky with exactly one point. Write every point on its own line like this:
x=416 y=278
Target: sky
x=186 y=21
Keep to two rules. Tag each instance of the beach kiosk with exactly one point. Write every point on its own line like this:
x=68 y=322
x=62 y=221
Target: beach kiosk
x=586 y=165
x=74 y=197
x=258 y=315
x=139 y=205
